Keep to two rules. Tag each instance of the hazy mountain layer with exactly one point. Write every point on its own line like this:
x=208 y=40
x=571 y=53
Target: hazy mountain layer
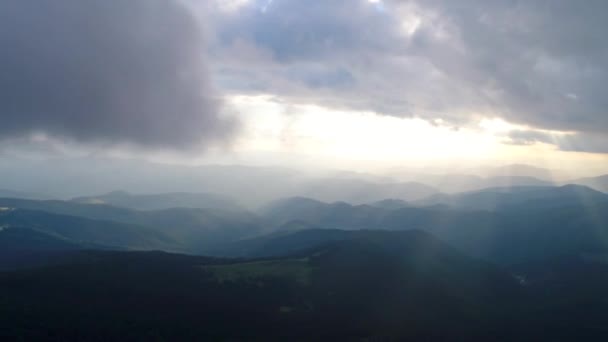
x=193 y=230
x=161 y=201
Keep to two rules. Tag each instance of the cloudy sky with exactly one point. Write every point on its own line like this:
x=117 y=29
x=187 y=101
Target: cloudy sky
x=341 y=83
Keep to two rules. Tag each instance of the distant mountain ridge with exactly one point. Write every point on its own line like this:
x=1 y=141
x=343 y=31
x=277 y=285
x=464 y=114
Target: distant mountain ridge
x=193 y=229
x=504 y=225
x=21 y=194
x=329 y=215
x=464 y=183
x=87 y=233
x=501 y=198
x=359 y=191
x=521 y=171
x=161 y=201
x=500 y=225
x=599 y=183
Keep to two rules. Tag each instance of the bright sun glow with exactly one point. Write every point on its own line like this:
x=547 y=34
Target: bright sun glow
x=355 y=135
x=366 y=138
x=497 y=125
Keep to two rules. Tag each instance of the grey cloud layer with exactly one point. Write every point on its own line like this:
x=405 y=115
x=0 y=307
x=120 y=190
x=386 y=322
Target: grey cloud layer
x=587 y=142
x=540 y=63
x=106 y=71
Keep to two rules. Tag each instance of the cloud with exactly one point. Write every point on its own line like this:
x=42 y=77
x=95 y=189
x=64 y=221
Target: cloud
x=315 y=51
x=107 y=71
x=574 y=142
x=529 y=137
x=296 y=30
x=594 y=143
x=538 y=63
x=535 y=63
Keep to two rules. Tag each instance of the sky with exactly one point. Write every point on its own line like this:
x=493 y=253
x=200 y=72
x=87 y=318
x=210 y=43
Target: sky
x=353 y=84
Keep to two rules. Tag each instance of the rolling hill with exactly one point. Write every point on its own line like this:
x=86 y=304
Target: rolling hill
x=370 y=286
x=379 y=285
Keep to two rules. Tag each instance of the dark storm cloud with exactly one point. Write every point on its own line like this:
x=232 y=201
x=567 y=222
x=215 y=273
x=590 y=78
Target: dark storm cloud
x=106 y=71
x=539 y=63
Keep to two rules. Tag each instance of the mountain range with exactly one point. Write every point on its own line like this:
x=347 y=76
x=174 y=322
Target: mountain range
x=252 y=187
x=494 y=264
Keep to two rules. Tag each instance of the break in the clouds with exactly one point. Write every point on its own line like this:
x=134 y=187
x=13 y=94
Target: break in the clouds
x=542 y=64
x=106 y=71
